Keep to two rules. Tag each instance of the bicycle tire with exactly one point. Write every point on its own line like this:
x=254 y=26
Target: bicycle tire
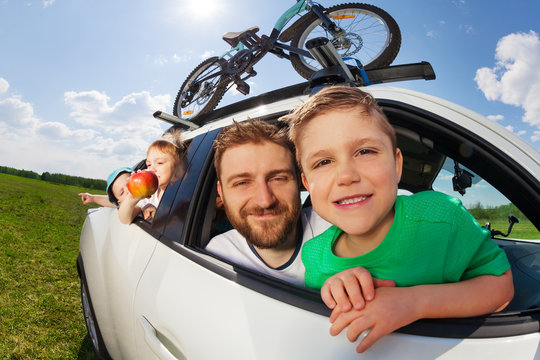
x=203 y=100
x=373 y=49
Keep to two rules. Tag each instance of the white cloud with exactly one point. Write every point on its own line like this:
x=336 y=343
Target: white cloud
x=509 y=128
x=535 y=136
x=207 y=54
x=495 y=117
x=515 y=78
x=17 y=114
x=4 y=86
x=97 y=136
x=131 y=116
x=469 y=29
x=47 y=3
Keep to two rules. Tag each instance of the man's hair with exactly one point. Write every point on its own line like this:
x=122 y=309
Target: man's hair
x=248 y=132
x=332 y=98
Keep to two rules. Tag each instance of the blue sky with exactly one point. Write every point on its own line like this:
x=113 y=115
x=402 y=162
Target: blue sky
x=79 y=79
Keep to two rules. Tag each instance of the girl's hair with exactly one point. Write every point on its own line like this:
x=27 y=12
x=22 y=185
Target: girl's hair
x=170 y=143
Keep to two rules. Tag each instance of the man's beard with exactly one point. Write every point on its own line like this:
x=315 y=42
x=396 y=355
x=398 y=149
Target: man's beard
x=266 y=234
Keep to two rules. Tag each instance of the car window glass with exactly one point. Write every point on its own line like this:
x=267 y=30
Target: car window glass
x=487 y=204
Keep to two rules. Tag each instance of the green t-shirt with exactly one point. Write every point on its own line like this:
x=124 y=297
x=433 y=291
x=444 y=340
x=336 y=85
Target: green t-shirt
x=433 y=240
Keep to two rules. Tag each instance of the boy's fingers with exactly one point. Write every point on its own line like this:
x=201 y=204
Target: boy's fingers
x=339 y=295
x=366 y=339
x=326 y=296
x=341 y=321
x=356 y=291
x=384 y=283
x=334 y=315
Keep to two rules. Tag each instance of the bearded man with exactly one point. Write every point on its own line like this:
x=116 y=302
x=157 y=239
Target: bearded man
x=259 y=186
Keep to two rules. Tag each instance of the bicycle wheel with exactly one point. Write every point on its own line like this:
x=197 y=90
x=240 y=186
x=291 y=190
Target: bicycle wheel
x=196 y=97
x=370 y=35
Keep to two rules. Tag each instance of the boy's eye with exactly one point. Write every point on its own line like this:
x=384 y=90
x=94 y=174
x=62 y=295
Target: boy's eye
x=365 y=151
x=321 y=163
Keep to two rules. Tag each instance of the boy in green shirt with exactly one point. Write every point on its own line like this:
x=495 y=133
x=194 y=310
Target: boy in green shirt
x=442 y=261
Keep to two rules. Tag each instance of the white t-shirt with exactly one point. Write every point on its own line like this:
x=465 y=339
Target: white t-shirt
x=152 y=200
x=234 y=247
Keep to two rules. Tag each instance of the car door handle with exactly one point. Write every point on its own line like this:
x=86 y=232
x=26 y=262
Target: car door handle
x=163 y=351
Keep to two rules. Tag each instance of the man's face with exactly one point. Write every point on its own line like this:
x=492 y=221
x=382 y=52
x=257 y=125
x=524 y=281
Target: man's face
x=259 y=188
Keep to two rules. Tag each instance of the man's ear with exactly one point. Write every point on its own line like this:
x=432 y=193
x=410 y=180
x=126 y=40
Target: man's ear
x=219 y=190
x=304 y=181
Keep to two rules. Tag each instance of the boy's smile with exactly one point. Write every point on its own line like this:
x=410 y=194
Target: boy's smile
x=351 y=172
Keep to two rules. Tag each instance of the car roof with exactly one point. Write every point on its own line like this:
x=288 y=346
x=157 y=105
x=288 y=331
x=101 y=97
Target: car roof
x=282 y=101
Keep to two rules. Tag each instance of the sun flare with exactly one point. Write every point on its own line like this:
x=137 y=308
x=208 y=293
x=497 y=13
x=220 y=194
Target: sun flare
x=201 y=9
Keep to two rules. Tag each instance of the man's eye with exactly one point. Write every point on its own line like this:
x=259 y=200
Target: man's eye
x=240 y=183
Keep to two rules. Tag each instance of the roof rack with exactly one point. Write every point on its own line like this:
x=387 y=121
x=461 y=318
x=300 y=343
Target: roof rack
x=334 y=71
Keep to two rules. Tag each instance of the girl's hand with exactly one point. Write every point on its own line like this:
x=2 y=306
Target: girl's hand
x=149 y=211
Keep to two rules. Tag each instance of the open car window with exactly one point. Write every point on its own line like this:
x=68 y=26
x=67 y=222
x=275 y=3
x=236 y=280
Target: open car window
x=433 y=149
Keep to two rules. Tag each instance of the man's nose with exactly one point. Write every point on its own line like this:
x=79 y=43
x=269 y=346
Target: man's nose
x=264 y=196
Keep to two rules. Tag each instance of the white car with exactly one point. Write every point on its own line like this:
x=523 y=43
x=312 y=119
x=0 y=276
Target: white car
x=150 y=290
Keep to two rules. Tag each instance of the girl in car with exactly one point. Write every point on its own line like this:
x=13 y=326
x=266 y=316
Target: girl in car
x=164 y=159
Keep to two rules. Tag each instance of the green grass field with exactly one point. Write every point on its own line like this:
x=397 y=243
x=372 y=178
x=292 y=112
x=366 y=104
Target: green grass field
x=40 y=308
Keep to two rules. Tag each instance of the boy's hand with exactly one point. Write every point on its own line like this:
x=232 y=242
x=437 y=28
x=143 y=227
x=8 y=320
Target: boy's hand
x=86 y=198
x=391 y=309
x=350 y=288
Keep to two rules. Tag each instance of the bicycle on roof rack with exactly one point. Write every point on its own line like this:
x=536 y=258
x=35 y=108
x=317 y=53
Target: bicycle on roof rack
x=362 y=32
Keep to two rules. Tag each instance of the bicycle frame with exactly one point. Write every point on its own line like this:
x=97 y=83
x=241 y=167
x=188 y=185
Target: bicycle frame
x=300 y=6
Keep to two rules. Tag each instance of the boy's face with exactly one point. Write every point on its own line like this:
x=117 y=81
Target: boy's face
x=259 y=188
x=351 y=171
x=162 y=164
x=119 y=187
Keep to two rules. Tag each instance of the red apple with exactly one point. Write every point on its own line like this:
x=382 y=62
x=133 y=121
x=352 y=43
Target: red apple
x=143 y=184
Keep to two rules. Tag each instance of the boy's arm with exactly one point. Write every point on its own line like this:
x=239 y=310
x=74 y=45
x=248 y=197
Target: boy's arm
x=102 y=200
x=395 y=307
x=128 y=209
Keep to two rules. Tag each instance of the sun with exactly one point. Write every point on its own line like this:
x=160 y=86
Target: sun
x=201 y=9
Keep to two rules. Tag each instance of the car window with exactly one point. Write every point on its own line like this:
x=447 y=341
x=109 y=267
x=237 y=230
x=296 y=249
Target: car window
x=487 y=204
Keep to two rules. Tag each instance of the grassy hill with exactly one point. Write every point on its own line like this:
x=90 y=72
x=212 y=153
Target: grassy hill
x=40 y=309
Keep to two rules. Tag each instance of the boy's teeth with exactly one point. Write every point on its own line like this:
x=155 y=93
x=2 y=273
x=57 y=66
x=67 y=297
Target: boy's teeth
x=352 y=200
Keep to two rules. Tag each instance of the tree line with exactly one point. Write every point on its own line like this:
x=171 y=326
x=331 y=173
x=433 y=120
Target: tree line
x=500 y=212
x=95 y=184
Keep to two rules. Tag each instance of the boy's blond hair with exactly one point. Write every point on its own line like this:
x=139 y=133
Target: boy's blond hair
x=332 y=98
x=248 y=132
